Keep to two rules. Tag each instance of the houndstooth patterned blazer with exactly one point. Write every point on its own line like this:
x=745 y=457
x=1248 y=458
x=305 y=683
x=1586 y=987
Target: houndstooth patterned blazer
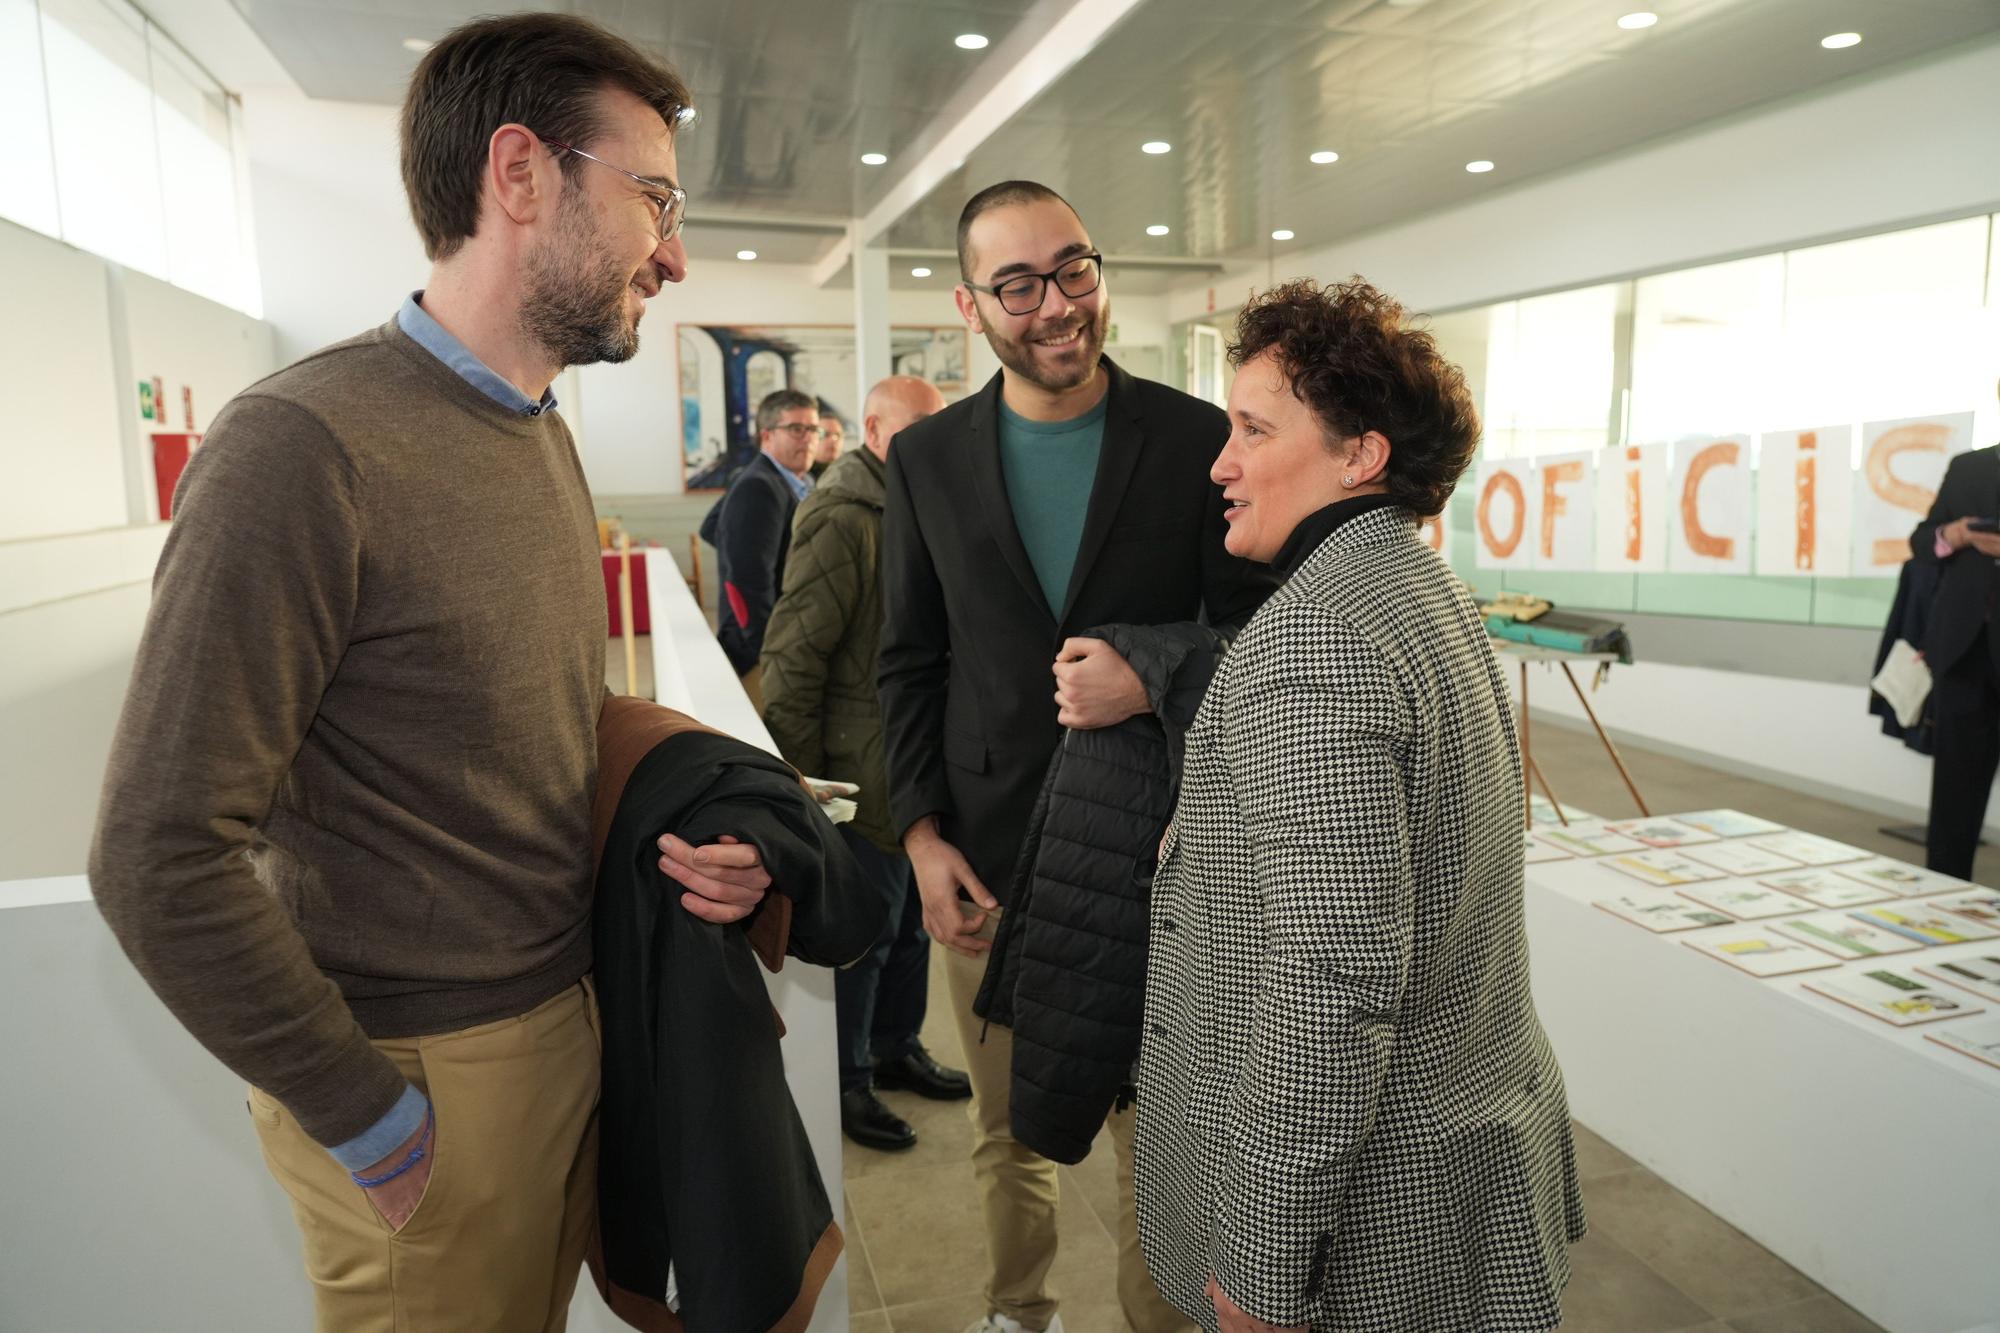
x=1348 y=1111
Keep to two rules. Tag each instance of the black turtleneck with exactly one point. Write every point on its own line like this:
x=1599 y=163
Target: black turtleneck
x=1316 y=527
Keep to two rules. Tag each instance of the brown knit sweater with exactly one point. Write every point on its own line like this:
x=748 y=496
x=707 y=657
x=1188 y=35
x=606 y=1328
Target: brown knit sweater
x=350 y=791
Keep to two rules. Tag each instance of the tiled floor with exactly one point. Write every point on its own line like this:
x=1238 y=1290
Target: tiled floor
x=1654 y=1260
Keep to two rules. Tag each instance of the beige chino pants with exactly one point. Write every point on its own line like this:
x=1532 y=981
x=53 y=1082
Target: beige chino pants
x=1018 y=1186
x=511 y=1206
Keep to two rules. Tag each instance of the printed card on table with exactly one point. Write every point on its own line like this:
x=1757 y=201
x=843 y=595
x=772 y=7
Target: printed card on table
x=1761 y=953
x=1710 y=495
x=1739 y=858
x=1503 y=515
x=1979 y=1039
x=1903 y=879
x=1589 y=840
x=1981 y=905
x=1892 y=996
x=1542 y=811
x=1661 y=913
x=1902 y=465
x=1747 y=902
x=1661 y=832
x=1663 y=868
x=1632 y=508
x=1844 y=937
x=1809 y=849
x=1920 y=922
x=1730 y=823
x=1825 y=888
x=1981 y=976
x=1536 y=853
x=1805 y=502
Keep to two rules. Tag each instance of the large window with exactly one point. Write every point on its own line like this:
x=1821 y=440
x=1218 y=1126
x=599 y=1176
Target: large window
x=1903 y=324
x=119 y=143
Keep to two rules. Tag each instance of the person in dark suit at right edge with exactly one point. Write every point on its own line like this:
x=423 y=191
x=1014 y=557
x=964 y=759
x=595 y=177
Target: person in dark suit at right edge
x=1063 y=496
x=1962 y=650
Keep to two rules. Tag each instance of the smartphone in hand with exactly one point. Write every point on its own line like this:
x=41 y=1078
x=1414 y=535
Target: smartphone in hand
x=1982 y=525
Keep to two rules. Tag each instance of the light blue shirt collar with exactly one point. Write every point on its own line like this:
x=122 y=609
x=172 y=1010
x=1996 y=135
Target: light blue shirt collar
x=434 y=338
x=801 y=486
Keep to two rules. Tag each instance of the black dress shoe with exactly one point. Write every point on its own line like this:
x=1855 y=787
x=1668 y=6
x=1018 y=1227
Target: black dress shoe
x=917 y=1072
x=864 y=1119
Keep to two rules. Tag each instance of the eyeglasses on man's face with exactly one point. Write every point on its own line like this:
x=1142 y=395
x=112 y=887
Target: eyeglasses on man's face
x=668 y=199
x=1023 y=293
x=798 y=430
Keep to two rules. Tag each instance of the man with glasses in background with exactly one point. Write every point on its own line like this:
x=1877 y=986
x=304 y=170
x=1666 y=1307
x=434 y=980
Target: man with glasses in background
x=751 y=528
x=345 y=832
x=1063 y=496
x=832 y=439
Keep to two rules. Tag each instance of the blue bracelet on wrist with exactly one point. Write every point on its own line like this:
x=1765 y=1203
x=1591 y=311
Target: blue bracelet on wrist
x=417 y=1154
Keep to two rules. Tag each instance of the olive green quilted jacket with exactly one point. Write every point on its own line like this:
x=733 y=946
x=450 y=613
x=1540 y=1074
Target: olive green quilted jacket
x=819 y=649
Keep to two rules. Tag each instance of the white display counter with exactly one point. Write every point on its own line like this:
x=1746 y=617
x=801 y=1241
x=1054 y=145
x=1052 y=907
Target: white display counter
x=135 y=1194
x=1860 y=1153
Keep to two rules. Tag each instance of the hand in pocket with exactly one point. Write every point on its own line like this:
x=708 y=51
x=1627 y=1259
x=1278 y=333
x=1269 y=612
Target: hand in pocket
x=396 y=1200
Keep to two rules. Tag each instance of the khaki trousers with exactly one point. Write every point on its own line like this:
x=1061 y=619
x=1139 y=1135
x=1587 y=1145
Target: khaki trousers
x=1018 y=1186
x=511 y=1206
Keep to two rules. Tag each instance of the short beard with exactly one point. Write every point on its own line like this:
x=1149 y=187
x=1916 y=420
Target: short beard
x=575 y=303
x=1019 y=357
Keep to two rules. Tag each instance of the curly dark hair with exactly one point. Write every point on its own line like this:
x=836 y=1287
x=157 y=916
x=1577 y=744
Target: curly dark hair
x=1355 y=358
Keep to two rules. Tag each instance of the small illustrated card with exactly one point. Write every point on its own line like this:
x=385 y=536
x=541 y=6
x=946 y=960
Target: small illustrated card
x=1663 y=868
x=1739 y=858
x=1981 y=905
x=1761 y=953
x=1589 y=840
x=1661 y=832
x=1981 y=976
x=1844 y=937
x=1661 y=912
x=1893 y=997
x=1729 y=823
x=1920 y=922
x=1808 y=849
x=1980 y=1040
x=1902 y=879
x=1543 y=812
x=1747 y=902
x=1824 y=888
x=1537 y=852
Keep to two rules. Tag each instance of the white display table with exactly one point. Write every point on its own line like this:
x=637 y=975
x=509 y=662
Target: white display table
x=1862 y=1154
x=136 y=1195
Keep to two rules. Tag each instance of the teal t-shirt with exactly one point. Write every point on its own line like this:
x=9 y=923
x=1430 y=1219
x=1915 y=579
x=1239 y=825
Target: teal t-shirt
x=1050 y=467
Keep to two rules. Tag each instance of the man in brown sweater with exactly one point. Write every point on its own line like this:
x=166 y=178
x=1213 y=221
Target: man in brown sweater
x=345 y=830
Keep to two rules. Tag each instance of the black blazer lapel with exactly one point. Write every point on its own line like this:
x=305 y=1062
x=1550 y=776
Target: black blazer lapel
x=991 y=484
x=1117 y=459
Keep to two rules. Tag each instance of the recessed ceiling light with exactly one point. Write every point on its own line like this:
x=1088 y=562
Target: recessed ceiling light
x=1643 y=18
x=1324 y=156
x=1282 y=234
x=969 y=41
x=920 y=273
x=1840 y=41
x=1480 y=167
x=1157 y=229
x=1156 y=147
x=873 y=159
x=417 y=44
x=746 y=254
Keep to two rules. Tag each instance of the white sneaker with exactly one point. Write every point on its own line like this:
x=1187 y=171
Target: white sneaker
x=1000 y=1323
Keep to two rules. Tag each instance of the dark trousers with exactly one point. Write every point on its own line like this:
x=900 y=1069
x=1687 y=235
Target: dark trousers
x=1965 y=706
x=879 y=1002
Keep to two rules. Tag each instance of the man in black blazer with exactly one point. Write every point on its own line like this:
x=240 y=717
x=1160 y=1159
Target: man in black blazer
x=751 y=528
x=1064 y=495
x=1962 y=650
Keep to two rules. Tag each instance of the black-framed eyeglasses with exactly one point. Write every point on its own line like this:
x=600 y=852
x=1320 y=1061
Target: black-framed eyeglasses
x=1024 y=293
x=669 y=198
x=799 y=430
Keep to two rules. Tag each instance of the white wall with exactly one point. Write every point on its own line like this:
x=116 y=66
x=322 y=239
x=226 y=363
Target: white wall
x=1873 y=153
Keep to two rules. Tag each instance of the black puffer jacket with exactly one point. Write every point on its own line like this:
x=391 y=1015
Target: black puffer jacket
x=1067 y=971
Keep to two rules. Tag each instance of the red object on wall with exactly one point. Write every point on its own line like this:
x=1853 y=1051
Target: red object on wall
x=642 y=617
x=170 y=459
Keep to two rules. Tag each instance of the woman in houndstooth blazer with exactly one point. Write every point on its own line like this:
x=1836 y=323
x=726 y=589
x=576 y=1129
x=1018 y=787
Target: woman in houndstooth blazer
x=1349 y=1116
